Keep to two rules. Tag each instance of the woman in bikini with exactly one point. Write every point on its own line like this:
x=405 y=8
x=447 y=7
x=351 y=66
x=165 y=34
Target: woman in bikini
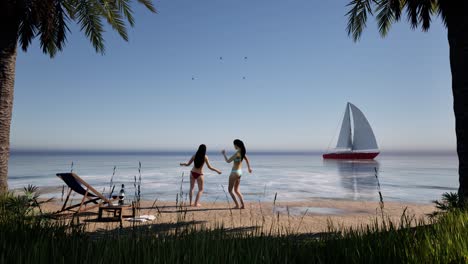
x=236 y=173
x=196 y=174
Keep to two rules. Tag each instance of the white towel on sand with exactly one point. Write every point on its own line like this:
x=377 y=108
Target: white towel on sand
x=141 y=218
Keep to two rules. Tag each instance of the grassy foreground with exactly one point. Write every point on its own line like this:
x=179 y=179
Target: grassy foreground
x=25 y=238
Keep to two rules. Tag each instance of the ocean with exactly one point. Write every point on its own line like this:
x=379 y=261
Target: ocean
x=403 y=177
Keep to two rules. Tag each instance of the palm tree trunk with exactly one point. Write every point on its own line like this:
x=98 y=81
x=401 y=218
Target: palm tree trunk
x=8 y=43
x=458 y=41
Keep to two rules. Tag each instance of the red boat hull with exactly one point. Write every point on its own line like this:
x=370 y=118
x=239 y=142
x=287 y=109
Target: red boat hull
x=351 y=155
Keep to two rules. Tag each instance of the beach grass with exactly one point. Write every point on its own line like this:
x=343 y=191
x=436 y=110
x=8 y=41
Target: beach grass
x=29 y=237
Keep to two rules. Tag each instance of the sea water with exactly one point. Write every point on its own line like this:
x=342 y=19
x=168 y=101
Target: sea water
x=288 y=176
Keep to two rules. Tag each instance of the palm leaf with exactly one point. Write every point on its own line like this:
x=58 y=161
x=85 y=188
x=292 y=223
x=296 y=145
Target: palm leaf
x=70 y=7
x=52 y=26
x=444 y=8
x=385 y=16
x=48 y=19
x=412 y=10
x=448 y=202
x=420 y=12
x=114 y=18
x=357 y=17
x=61 y=25
x=124 y=8
x=46 y=11
x=28 y=27
x=149 y=5
x=397 y=7
x=89 y=18
x=426 y=9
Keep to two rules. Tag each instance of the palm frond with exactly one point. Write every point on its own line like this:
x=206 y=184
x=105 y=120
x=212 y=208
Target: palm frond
x=27 y=27
x=397 y=7
x=89 y=18
x=70 y=7
x=385 y=16
x=357 y=17
x=445 y=10
x=412 y=10
x=124 y=8
x=112 y=13
x=448 y=202
x=46 y=17
x=426 y=9
x=30 y=190
x=420 y=12
x=149 y=5
x=61 y=19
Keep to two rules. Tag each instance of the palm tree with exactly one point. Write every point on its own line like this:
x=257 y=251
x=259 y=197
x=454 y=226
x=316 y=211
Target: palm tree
x=454 y=14
x=23 y=20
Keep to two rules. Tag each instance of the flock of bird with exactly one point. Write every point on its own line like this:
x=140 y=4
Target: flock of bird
x=221 y=58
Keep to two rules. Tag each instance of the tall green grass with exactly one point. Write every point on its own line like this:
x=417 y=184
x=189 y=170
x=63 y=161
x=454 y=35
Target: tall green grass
x=444 y=241
x=27 y=236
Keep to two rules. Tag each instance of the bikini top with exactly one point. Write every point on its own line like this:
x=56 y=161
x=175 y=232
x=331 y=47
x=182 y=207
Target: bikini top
x=237 y=159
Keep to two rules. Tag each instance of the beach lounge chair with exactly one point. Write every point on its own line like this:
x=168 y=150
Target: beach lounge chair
x=90 y=195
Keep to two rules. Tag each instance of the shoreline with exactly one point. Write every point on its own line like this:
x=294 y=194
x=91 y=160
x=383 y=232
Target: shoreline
x=48 y=191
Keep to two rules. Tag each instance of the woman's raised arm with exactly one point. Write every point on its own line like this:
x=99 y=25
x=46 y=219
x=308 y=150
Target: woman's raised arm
x=228 y=160
x=189 y=162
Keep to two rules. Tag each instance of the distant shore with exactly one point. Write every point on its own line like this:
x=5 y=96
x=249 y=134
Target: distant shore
x=450 y=152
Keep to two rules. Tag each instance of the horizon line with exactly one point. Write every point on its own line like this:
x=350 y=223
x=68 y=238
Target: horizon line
x=187 y=151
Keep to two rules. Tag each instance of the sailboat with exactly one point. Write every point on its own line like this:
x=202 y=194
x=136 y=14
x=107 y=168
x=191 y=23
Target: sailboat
x=357 y=142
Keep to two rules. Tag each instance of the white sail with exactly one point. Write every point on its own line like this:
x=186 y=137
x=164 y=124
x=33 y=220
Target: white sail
x=363 y=136
x=344 y=140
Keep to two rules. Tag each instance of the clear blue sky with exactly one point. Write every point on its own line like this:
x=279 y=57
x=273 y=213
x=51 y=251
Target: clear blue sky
x=301 y=70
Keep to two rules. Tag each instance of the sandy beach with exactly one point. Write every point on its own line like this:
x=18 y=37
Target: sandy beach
x=311 y=216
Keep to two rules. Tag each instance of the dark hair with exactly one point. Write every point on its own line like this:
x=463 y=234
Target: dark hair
x=200 y=156
x=241 y=145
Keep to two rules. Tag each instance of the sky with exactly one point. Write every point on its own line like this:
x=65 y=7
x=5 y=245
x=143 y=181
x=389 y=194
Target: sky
x=167 y=88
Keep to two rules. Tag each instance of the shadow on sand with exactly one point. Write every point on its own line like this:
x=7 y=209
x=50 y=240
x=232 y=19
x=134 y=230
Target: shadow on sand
x=158 y=229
